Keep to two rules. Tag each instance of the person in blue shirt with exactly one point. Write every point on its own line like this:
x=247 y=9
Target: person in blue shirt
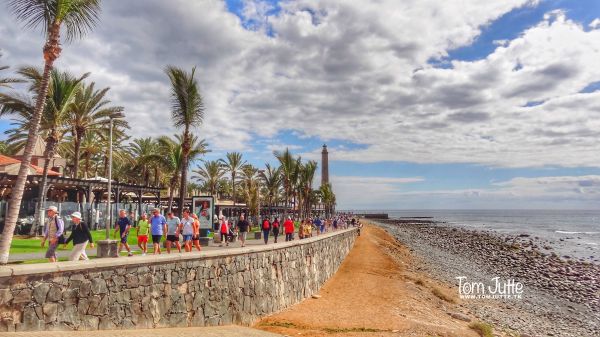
x=123 y=225
x=158 y=228
x=320 y=225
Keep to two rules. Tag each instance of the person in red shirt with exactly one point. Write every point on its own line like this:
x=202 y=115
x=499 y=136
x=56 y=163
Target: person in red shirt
x=275 y=227
x=288 y=227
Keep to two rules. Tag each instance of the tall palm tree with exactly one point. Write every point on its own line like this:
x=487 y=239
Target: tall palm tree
x=252 y=187
x=77 y=17
x=148 y=156
x=305 y=184
x=210 y=174
x=327 y=198
x=271 y=177
x=288 y=169
x=91 y=112
x=187 y=111
x=61 y=94
x=171 y=151
x=91 y=149
x=233 y=164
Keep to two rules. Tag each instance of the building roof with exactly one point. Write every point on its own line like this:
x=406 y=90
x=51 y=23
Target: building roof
x=38 y=149
x=11 y=166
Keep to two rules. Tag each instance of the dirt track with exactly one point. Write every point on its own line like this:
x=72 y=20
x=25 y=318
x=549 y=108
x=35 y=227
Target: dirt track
x=377 y=291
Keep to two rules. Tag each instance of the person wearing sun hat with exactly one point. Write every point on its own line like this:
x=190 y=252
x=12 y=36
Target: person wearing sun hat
x=53 y=232
x=81 y=236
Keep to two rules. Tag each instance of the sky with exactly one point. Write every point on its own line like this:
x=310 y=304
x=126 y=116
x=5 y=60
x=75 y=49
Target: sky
x=424 y=104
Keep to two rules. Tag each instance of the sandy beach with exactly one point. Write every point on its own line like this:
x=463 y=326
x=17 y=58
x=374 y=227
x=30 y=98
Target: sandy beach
x=378 y=291
x=393 y=281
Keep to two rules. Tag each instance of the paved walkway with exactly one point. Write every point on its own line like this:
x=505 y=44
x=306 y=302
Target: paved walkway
x=218 y=331
x=91 y=252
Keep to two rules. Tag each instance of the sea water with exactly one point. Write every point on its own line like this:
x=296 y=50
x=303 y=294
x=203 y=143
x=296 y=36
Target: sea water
x=574 y=233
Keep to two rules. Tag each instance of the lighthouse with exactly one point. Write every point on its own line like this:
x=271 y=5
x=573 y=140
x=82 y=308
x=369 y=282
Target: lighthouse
x=324 y=166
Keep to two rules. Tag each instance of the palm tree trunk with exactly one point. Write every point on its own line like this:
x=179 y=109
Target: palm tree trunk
x=51 y=53
x=77 y=154
x=233 y=186
x=171 y=190
x=185 y=147
x=48 y=154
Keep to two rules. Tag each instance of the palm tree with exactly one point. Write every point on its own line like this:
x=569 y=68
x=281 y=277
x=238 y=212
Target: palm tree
x=233 y=164
x=288 y=169
x=171 y=151
x=78 y=17
x=327 y=198
x=147 y=154
x=91 y=149
x=251 y=185
x=61 y=94
x=187 y=111
x=210 y=174
x=272 y=182
x=305 y=182
x=90 y=112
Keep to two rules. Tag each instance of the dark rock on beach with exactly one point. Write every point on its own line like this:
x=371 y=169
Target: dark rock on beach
x=561 y=295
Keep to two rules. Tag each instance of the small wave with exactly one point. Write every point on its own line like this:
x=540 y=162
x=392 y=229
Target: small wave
x=567 y=232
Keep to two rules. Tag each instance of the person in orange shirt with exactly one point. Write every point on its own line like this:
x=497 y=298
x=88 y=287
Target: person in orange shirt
x=196 y=236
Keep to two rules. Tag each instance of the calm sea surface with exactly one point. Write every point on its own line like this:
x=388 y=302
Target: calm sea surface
x=571 y=232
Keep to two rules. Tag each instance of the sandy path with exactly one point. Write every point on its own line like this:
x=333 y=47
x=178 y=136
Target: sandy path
x=374 y=293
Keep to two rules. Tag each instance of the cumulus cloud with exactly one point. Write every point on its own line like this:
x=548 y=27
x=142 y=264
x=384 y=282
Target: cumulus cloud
x=357 y=71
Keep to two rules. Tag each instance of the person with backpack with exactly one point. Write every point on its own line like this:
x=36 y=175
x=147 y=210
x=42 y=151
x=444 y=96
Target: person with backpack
x=275 y=227
x=266 y=228
x=53 y=232
x=288 y=227
x=80 y=236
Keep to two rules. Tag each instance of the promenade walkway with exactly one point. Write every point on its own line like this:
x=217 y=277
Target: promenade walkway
x=91 y=252
x=218 y=331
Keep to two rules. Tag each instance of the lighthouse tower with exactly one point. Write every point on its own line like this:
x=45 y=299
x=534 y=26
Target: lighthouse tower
x=324 y=166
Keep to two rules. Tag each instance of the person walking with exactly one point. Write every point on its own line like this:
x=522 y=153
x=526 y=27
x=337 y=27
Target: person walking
x=173 y=223
x=123 y=225
x=158 y=227
x=53 y=232
x=288 y=227
x=224 y=231
x=143 y=229
x=266 y=228
x=80 y=236
x=196 y=236
x=320 y=226
x=243 y=226
x=187 y=229
x=275 y=226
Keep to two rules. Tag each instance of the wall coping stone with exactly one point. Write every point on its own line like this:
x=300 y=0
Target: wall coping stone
x=70 y=266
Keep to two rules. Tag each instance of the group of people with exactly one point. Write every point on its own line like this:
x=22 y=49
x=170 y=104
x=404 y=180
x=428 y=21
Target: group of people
x=171 y=227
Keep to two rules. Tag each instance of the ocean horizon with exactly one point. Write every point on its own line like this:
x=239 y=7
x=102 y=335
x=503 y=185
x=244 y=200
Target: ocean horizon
x=574 y=233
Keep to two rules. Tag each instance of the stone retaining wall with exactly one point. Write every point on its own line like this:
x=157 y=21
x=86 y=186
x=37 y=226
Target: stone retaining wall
x=229 y=286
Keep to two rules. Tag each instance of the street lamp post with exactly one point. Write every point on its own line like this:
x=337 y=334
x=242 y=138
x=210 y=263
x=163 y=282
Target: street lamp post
x=109 y=198
x=108 y=247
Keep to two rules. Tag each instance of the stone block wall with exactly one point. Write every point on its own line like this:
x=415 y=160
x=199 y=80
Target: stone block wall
x=229 y=286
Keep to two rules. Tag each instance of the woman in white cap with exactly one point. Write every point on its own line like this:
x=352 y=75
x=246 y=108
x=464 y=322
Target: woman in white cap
x=81 y=236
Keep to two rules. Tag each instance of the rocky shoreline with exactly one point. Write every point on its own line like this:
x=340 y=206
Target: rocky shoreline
x=561 y=296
